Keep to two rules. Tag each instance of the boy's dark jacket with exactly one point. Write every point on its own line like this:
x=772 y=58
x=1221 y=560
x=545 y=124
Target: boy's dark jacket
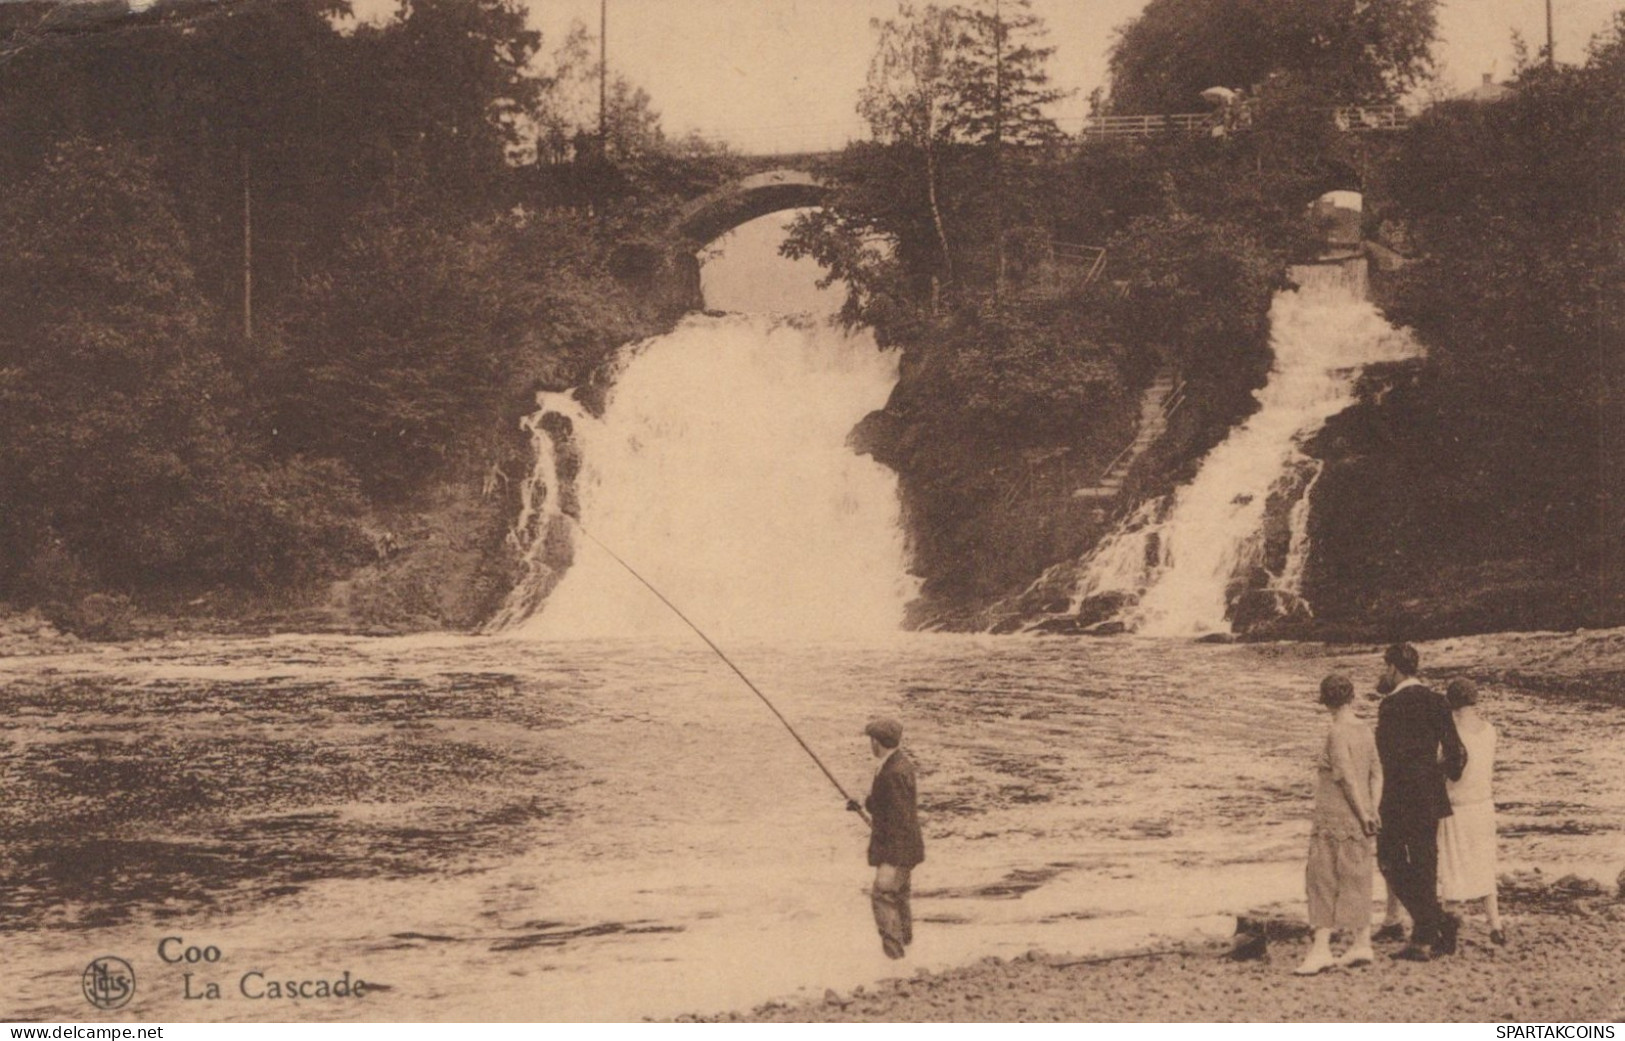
x=896 y=835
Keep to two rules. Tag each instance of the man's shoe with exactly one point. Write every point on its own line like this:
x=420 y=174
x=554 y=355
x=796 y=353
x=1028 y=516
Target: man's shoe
x=1498 y=937
x=1411 y=952
x=1390 y=931
x=1448 y=930
x=1354 y=957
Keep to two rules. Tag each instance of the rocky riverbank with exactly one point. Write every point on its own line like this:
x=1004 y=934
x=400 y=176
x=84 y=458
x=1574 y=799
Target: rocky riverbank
x=29 y=632
x=1562 y=964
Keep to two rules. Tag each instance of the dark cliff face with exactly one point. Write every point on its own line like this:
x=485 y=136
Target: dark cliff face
x=989 y=458
x=1392 y=559
x=987 y=498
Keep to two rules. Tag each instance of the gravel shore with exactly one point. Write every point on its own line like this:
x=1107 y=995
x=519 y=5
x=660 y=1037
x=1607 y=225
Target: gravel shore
x=1565 y=962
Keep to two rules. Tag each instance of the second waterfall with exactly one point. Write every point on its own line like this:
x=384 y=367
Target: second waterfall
x=1180 y=564
x=720 y=470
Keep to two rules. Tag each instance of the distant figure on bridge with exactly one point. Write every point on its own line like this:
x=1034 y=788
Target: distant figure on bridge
x=895 y=845
x=1234 y=110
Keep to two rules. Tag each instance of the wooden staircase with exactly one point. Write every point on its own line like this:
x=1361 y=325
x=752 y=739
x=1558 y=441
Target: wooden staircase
x=1160 y=401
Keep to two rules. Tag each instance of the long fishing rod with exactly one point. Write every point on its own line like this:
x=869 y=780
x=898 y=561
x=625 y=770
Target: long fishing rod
x=726 y=660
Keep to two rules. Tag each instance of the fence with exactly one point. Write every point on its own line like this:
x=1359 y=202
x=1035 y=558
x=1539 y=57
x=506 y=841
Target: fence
x=1091 y=258
x=1352 y=118
x=1148 y=126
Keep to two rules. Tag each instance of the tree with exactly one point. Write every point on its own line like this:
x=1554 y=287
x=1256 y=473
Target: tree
x=908 y=98
x=1353 y=51
x=570 y=105
x=459 y=92
x=123 y=463
x=950 y=91
x=1000 y=88
x=1000 y=92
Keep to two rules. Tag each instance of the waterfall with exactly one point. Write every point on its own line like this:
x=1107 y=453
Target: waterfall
x=719 y=468
x=1179 y=563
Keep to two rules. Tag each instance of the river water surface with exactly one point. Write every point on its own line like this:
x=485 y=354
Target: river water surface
x=600 y=829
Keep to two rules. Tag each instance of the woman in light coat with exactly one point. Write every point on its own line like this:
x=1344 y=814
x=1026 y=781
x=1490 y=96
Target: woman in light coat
x=1467 y=836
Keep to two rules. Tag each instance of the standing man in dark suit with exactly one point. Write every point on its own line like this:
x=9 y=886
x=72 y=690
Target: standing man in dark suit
x=895 y=846
x=1419 y=747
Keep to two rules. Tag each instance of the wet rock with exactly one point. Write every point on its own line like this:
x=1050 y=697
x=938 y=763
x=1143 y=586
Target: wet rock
x=877 y=434
x=1273 y=928
x=1102 y=608
x=31 y=633
x=102 y=617
x=1579 y=886
x=1258 y=607
x=1217 y=638
x=1252 y=948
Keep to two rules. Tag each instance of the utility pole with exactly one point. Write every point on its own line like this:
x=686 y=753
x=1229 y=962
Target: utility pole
x=1551 y=45
x=603 y=77
x=248 y=255
x=998 y=148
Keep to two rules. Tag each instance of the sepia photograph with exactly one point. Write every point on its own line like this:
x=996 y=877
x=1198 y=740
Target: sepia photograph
x=671 y=511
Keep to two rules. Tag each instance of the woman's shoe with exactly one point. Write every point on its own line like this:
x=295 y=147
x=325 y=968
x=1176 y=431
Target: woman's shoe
x=1316 y=962
x=1356 y=956
x=1411 y=952
x=1390 y=931
x=1498 y=937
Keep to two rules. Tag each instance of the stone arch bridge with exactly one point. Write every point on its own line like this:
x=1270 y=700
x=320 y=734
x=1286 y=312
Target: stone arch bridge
x=673 y=274
x=757 y=195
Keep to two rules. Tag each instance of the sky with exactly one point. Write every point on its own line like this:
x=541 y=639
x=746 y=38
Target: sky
x=783 y=75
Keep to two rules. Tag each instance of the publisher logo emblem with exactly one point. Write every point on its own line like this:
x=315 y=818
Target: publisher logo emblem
x=109 y=982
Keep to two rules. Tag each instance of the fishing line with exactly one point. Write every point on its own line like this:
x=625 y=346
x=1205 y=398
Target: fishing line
x=726 y=660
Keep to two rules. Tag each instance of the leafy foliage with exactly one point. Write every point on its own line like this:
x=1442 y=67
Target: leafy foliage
x=1353 y=51
x=119 y=450
x=415 y=278
x=1199 y=289
x=444 y=332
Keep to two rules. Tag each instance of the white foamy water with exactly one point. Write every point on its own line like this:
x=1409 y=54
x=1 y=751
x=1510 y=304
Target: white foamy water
x=720 y=471
x=1179 y=557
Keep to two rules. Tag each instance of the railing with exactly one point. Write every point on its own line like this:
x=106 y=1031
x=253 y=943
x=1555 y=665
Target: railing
x=1148 y=126
x=1093 y=258
x=1170 y=404
x=1354 y=118
x=1174 y=401
x=1371 y=117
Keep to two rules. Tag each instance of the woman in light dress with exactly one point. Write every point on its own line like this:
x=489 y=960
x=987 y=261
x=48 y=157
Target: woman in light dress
x=1342 y=840
x=1467 y=836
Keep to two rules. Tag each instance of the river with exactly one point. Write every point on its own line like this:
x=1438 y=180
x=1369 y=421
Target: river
x=595 y=829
